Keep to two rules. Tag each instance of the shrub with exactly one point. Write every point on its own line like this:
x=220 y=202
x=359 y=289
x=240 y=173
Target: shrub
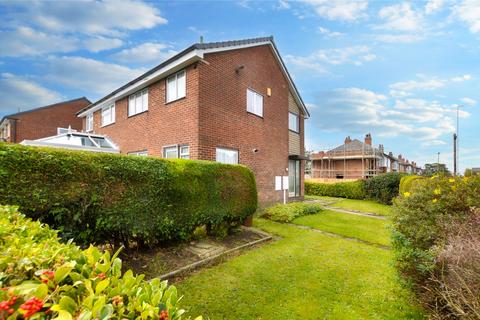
x=41 y=278
x=407 y=183
x=95 y=197
x=383 y=188
x=349 y=190
x=290 y=211
x=426 y=226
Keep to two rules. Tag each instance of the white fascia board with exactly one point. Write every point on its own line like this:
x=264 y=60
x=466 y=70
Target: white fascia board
x=293 y=89
x=187 y=59
x=36 y=143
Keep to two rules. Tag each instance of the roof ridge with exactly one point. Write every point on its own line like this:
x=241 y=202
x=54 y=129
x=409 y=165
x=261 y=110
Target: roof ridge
x=45 y=107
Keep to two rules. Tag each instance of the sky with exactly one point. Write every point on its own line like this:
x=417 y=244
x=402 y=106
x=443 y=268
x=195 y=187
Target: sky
x=397 y=70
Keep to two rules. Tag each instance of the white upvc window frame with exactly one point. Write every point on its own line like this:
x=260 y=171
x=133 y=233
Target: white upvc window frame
x=111 y=118
x=176 y=86
x=89 y=122
x=182 y=151
x=296 y=129
x=220 y=150
x=142 y=153
x=254 y=103
x=138 y=102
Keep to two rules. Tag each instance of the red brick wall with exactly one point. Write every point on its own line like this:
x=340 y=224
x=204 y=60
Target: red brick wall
x=224 y=121
x=162 y=125
x=44 y=122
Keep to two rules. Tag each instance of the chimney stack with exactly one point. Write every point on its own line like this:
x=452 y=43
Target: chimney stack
x=380 y=148
x=368 y=139
x=348 y=140
x=390 y=154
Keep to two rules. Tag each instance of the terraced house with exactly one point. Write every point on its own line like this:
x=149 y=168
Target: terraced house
x=232 y=102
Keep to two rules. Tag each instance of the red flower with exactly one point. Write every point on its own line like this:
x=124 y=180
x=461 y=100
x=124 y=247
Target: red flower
x=164 y=315
x=31 y=307
x=101 y=276
x=49 y=274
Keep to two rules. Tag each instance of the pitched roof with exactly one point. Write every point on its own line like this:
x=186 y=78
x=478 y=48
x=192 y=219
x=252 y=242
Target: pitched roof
x=13 y=115
x=185 y=56
x=354 y=145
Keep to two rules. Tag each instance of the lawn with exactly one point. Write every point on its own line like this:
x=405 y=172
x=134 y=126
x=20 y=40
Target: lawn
x=364 y=228
x=363 y=206
x=303 y=275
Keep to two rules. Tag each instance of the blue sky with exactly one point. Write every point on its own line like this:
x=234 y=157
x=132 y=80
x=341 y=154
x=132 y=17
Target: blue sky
x=394 y=69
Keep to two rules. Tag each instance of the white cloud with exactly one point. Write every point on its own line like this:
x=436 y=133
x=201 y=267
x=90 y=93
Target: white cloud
x=18 y=92
x=398 y=38
x=27 y=41
x=343 y=10
x=328 y=33
x=89 y=17
x=282 y=5
x=88 y=75
x=400 y=17
x=433 y=6
x=145 y=53
x=101 y=43
x=468 y=101
x=362 y=111
x=422 y=84
x=462 y=78
x=469 y=12
x=356 y=55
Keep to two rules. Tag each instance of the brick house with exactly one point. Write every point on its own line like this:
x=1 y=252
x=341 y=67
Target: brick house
x=232 y=102
x=42 y=122
x=357 y=160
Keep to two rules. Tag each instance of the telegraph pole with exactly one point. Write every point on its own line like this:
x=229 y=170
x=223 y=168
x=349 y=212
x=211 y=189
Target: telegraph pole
x=454 y=154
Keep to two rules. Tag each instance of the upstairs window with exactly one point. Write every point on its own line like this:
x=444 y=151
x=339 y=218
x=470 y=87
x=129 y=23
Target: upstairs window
x=89 y=123
x=138 y=102
x=177 y=151
x=176 y=86
x=254 y=103
x=293 y=123
x=228 y=156
x=108 y=115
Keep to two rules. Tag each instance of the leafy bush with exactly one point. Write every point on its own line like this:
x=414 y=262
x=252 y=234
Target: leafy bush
x=288 y=212
x=426 y=226
x=41 y=278
x=383 y=188
x=407 y=183
x=349 y=190
x=95 y=197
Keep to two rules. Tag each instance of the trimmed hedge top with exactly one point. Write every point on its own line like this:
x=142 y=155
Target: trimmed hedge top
x=95 y=197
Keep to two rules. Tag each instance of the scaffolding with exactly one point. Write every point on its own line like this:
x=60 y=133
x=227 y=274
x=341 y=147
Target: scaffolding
x=354 y=160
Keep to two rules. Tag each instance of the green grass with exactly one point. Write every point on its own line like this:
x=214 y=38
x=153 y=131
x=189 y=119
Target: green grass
x=304 y=275
x=364 y=206
x=363 y=228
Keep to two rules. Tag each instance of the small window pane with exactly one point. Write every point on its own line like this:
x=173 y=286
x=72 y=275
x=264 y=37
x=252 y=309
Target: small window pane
x=181 y=85
x=171 y=89
x=170 y=152
x=185 y=152
x=293 y=122
x=145 y=100
x=254 y=103
x=227 y=156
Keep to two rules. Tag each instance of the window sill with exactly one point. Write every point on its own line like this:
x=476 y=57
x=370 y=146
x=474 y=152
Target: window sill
x=176 y=100
x=136 y=114
x=254 y=114
x=107 y=125
x=297 y=132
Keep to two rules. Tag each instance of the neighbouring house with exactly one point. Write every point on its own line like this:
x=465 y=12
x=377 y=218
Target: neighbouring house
x=42 y=122
x=357 y=159
x=232 y=102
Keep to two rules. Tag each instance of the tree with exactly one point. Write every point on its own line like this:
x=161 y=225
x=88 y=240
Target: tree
x=436 y=168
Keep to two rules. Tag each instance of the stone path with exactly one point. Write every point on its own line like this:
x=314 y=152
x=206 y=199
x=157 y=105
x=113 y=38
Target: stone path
x=326 y=205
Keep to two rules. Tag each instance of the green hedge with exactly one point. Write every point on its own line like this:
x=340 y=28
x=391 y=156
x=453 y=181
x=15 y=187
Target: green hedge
x=407 y=183
x=290 y=211
x=95 y=197
x=41 y=278
x=383 y=188
x=436 y=240
x=349 y=190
